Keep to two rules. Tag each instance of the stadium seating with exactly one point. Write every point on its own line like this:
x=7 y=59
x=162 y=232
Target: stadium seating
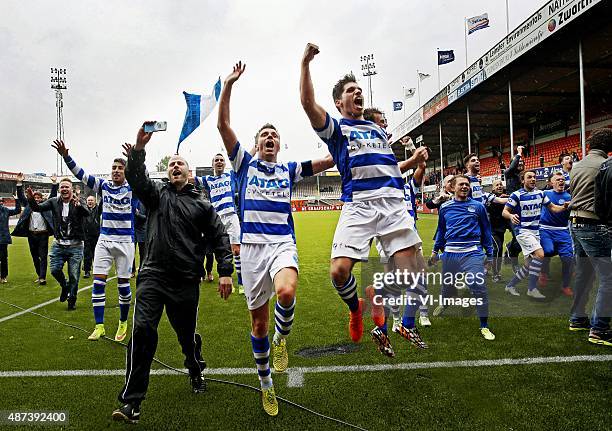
x=550 y=150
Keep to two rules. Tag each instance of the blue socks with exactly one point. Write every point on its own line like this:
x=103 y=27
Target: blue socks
x=261 y=352
x=98 y=299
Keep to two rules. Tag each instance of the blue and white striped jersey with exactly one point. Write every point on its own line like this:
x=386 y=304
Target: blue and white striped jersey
x=463 y=226
x=555 y=221
x=265 y=196
x=477 y=193
x=221 y=190
x=528 y=206
x=364 y=157
x=410 y=188
x=566 y=176
x=117 y=205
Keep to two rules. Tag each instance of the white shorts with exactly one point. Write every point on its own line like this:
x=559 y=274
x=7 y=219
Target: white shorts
x=260 y=263
x=360 y=222
x=529 y=241
x=232 y=226
x=107 y=252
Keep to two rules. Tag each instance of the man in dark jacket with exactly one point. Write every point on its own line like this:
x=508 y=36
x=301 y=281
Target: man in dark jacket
x=180 y=224
x=592 y=245
x=68 y=218
x=140 y=234
x=513 y=183
x=5 y=237
x=37 y=227
x=92 y=233
x=603 y=193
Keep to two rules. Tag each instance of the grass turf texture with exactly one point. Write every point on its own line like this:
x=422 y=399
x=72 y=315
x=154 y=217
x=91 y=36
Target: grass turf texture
x=546 y=396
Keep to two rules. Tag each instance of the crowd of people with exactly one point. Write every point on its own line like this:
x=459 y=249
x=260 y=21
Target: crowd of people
x=247 y=224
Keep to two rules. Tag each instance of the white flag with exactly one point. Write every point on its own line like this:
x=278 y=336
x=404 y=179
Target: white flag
x=423 y=76
x=409 y=92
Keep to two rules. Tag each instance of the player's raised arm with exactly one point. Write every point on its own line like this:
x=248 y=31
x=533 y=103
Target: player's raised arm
x=420 y=155
x=136 y=172
x=321 y=165
x=316 y=114
x=90 y=181
x=223 y=121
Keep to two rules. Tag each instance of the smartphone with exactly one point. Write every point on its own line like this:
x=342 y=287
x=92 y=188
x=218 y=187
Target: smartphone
x=155 y=126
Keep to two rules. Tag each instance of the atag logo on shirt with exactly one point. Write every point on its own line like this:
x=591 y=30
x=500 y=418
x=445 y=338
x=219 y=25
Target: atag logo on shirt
x=471 y=208
x=561 y=201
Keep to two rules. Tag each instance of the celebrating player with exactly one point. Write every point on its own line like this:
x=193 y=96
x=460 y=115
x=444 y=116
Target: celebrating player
x=523 y=209
x=268 y=250
x=372 y=189
x=221 y=188
x=116 y=240
x=463 y=231
x=555 y=236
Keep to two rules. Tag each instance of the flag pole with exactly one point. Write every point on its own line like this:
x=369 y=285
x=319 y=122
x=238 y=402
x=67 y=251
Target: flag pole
x=465 y=38
x=438 y=61
x=419 y=87
x=404 y=99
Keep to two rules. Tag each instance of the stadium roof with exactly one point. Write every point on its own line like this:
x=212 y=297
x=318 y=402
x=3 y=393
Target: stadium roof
x=540 y=58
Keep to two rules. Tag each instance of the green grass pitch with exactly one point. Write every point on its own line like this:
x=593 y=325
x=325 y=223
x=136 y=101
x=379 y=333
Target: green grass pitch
x=559 y=396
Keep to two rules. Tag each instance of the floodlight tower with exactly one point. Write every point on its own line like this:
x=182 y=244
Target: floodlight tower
x=58 y=83
x=369 y=69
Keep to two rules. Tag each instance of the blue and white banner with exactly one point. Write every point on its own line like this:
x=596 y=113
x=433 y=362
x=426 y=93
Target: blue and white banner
x=198 y=108
x=476 y=23
x=446 y=57
x=397 y=106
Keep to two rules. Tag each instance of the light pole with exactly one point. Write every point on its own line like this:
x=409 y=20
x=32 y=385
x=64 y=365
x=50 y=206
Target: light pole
x=368 y=69
x=58 y=83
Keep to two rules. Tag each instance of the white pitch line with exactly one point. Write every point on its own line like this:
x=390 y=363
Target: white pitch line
x=295 y=376
x=51 y=301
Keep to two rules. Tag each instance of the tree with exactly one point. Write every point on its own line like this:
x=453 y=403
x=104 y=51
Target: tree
x=162 y=165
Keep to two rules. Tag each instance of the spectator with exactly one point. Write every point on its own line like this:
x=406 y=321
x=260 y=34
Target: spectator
x=91 y=227
x=5 y=237
x=36 y=227
x=513 y=183
x=68 y=218
x=591 y=243
x=445 y=194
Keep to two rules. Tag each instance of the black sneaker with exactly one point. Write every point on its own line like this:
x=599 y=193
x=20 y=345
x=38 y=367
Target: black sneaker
x=87 y=274
x=128 y=413
x=71 y=303
x=63 y=294
x=580 y=325
x=42 y=282
x=198 y=384
x=601 y=337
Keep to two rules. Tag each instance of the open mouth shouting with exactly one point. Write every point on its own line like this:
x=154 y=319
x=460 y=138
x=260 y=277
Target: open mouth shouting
x=269 y=145
x=358 y=101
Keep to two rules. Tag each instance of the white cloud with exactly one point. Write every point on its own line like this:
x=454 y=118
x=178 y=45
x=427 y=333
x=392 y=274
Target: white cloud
x=130 y=61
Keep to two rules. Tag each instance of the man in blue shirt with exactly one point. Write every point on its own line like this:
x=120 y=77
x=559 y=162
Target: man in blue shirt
x=555 y=236
x=463 y=232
